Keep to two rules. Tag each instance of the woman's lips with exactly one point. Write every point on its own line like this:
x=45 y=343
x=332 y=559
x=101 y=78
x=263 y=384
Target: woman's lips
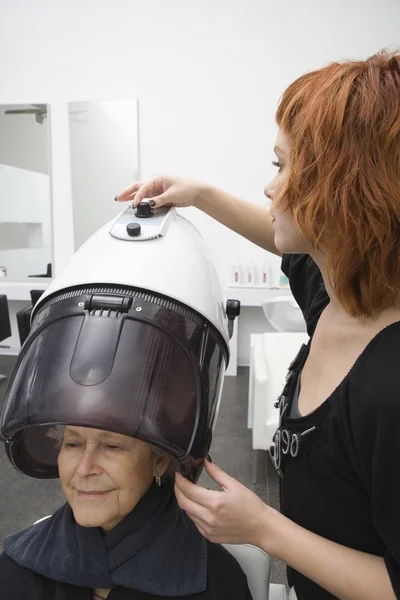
x=92 y=494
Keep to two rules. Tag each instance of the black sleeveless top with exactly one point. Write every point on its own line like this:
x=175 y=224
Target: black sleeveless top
x=339 y=465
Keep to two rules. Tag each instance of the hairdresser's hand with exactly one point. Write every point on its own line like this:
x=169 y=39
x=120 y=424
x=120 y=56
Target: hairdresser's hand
x=163 y=190
x=234 y=516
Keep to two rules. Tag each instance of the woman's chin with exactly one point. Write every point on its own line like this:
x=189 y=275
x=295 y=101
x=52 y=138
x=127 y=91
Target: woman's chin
x=92 y=517
x=286 y=245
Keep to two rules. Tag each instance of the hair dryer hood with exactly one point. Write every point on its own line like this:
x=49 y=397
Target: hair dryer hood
x=132 y=336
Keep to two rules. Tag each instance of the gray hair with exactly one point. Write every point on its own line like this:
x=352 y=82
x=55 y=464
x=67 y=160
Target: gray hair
x=56 y=433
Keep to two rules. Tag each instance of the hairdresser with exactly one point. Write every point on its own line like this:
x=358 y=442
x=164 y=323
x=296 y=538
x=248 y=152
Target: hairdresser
x=335 y=219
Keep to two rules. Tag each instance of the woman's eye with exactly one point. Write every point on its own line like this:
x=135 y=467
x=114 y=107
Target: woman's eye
x=277 y=164
x=71 y=444
x=112 y=447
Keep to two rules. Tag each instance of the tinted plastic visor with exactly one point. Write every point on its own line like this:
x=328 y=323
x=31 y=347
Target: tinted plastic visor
x=117 y=374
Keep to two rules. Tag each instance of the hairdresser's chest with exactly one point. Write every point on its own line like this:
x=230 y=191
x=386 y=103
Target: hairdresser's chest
x=314 y=456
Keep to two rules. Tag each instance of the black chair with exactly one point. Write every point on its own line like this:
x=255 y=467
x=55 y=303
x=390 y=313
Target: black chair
x=24 y=316
x=5 y=324
x=47 y=274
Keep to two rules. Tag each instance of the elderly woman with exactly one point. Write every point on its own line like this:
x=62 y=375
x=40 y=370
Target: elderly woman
x=120 y=535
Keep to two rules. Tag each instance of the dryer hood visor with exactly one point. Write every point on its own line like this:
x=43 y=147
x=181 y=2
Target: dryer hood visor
x=117 y=359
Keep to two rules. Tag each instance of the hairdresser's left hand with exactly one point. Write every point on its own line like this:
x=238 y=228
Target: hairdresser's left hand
x=233 y=516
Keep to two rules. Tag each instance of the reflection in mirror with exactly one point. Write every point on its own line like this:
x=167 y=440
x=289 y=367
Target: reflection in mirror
x=104 y=159
x=25 y=207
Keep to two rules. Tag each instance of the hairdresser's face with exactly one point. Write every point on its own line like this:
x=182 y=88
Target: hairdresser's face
x=287 y=237
x=105 y=474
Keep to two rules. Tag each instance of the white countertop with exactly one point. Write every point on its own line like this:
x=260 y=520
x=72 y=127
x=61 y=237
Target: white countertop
x=20 y=290
x=253 y=296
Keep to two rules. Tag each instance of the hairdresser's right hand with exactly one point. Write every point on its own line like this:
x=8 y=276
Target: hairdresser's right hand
x=163 y=190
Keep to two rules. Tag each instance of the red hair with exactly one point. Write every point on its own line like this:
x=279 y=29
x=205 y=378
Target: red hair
x=343 y=122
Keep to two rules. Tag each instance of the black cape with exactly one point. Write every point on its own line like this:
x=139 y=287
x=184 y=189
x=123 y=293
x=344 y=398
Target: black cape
x=225 y=581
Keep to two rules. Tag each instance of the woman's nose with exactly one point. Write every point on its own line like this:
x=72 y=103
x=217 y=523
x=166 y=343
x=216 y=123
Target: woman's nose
x=268 y=191
x=88 y=464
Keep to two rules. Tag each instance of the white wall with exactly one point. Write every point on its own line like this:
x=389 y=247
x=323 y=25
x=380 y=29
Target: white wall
x=104 y=157
x=208 y=75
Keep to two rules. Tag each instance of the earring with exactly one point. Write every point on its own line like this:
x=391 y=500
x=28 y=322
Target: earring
x=158 y=481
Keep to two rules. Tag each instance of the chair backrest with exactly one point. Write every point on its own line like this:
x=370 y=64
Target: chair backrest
x=24 y=322
x=256 y=566
x=35 y=295
x=5 y=325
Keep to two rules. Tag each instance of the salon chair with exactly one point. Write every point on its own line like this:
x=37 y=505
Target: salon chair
x=47 y=274
x=271 y=355
x=256 y=566
x=5 y=325
x=24 y=316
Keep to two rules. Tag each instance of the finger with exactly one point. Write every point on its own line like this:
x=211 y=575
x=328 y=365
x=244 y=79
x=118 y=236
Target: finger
x=130 y=197
x=127 y=193
x=158 y=199
x=196 y=512
x=148 y=190
x=218 y=475
x=201 y=528
x=194 y=492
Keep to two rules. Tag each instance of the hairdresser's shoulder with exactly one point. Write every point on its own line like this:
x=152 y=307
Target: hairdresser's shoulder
x=375 y=376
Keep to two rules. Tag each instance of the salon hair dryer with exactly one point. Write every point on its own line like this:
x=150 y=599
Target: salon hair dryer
x=132 y=337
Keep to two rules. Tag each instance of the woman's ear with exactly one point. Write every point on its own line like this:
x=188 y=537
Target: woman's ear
x=161 y=464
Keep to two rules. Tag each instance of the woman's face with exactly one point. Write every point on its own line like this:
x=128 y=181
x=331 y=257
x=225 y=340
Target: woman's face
x=287 y=238
x=105 y=474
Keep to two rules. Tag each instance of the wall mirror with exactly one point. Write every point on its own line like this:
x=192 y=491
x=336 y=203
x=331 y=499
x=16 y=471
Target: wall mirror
x=104 y=159
x=25 y=192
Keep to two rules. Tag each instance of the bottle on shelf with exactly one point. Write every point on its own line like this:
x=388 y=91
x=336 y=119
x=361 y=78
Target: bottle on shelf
x=236 y=275
x=283 y=281
x=250 y=275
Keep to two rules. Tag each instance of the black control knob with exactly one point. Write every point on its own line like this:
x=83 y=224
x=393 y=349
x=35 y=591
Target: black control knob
x=232 y=312
x=133 y=229
x=232 y=309
x=144 y=211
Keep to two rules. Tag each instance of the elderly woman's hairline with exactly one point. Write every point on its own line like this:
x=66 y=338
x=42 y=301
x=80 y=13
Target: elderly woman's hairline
x=56 y=433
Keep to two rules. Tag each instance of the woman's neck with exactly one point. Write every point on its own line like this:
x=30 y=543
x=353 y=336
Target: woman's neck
x=335 y=308
x=100 y=594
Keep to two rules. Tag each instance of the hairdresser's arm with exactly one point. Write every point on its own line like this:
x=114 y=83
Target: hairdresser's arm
x=245 y=218
x=237 y=516
x=346 y=573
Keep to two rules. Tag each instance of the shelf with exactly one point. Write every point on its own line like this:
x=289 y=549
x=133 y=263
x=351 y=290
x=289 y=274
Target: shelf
x=253 y=296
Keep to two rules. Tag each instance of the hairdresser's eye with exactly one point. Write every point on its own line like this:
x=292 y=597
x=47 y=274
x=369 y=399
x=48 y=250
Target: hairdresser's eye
x=277 y=164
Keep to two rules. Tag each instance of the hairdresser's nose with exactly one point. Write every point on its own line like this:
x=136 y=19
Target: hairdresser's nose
x=268 y=191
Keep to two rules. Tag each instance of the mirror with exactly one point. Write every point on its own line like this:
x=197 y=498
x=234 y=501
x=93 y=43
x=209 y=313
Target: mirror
x=25 y=206
x=104 y=159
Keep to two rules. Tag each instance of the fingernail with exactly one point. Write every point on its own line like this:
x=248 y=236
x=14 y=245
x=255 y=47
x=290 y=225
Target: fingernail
x=152 y=203
x=116 y=199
